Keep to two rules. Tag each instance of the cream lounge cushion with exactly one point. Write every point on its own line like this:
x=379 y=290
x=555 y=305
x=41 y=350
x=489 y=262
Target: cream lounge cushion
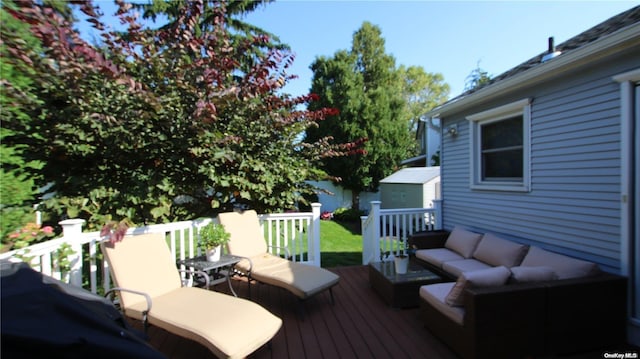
x=435 y=295
x=565 y=267
x=490 y=277
x=462 y=241
x=437 y=256
x=247 y=240
x=496 y=251
x=300 y=279
x=456 y=268
x=228 y=326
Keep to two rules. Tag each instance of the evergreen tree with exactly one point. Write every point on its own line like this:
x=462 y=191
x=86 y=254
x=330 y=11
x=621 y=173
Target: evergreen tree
x=478 y=78
x=365 y=87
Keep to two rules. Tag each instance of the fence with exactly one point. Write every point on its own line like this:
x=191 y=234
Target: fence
x=385 y=231
x=299 y=233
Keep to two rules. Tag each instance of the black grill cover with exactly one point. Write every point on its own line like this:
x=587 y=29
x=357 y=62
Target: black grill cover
x=43 y=317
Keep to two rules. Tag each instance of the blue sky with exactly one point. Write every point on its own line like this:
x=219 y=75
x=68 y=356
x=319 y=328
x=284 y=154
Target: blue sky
x=447 y=37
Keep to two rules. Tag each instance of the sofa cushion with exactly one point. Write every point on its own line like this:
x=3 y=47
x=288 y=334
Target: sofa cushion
x=435 y=294
x=565 y=267
x=496 y=251
x=490 y=277
x=456 y=268
x=462 y=241
x=532 y=274
x=437 y=256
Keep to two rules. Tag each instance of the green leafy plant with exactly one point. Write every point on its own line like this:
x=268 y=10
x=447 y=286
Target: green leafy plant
x=158 y=124
x=60 y=259
x=213 y=235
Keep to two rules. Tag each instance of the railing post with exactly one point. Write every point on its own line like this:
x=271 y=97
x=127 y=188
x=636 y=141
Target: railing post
x=375 y=212
x=71 y=230
x=315 y=230
x=437 y=206
x=371 y=233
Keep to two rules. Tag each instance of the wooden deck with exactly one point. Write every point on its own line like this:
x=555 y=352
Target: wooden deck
x=359 y=325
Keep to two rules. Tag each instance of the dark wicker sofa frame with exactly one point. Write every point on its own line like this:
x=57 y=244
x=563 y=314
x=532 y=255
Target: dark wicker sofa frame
x=530 y=319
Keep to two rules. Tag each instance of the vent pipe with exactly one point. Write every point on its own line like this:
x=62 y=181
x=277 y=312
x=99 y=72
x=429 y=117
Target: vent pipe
x=551 y=52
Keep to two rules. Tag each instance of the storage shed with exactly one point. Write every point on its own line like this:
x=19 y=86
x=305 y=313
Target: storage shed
x=413 y=187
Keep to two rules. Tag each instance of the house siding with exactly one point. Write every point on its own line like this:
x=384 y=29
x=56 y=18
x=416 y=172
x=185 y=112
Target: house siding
x=573 y=206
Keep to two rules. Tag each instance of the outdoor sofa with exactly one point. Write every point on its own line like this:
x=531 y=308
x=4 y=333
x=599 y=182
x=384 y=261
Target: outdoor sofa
x=509 y=300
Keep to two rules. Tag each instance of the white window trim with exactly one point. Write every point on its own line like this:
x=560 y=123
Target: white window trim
x=521 y=107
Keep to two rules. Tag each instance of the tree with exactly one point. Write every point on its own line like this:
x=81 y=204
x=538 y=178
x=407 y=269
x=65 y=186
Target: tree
x=17 y=179
x=422 y=92
x=161 y=125
x=364 y=85
x=478 y=78
x=238 y=30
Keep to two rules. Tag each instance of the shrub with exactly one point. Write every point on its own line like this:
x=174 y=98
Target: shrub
x=347 y=214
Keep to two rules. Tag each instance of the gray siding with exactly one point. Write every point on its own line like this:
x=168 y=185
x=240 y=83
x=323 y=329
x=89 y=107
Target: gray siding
x=574 y=203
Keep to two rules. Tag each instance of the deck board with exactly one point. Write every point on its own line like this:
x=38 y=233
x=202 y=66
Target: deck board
x=358 y=325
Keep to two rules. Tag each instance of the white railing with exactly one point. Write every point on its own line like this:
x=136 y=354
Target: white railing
x=385 y=231
x=298 y=232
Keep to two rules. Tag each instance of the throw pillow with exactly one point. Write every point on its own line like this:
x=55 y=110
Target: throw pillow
x=496 y=251
x=565 y=267
x=462 y=241
x=490 y=277
x=532 y=274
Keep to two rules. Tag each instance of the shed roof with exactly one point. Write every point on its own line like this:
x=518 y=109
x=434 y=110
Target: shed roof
x=413 y=175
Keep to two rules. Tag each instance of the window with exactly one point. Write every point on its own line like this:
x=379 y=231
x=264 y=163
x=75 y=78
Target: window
x=500 y=148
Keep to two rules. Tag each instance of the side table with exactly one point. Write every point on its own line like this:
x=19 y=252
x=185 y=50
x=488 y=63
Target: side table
x=220 y=270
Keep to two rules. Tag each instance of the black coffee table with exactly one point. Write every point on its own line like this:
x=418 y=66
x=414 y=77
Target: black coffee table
x=400 y=290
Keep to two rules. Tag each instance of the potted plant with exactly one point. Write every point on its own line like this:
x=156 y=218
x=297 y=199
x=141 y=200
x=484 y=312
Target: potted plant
x=211 y=239
x=401 y=260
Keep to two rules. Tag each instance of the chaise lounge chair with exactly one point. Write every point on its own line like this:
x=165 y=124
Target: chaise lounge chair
x=247 y=240
x=150 y=288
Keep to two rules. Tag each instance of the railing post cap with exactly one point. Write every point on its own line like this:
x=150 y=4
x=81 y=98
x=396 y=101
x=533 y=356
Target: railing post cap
x=72 y=221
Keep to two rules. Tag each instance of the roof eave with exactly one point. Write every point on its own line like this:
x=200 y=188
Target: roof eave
x=625 y=38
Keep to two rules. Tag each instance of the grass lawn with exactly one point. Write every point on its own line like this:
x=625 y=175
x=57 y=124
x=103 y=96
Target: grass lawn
x=340 y=243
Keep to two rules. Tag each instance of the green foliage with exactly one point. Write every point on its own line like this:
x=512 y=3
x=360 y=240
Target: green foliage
x=347 y=214
x=478 y=78
x=376 y=103
x=31 y=233
x=159 y=125
x=212 y=235
x=17 y=173
x=422 y=91
x=435 y=158
x=60 y=259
